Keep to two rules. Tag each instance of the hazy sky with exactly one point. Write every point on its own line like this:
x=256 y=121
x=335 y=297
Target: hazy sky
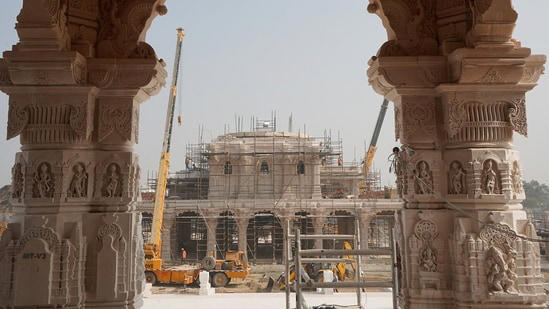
x=305 y=57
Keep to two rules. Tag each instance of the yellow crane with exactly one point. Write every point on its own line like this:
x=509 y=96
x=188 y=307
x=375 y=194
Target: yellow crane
x=153 y=248
x=234 y=266
x=369 y=157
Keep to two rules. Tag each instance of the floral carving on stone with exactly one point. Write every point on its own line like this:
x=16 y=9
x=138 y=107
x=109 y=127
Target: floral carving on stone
x=17 y=181
x=112 y=183
x=457 y=179
x=457 y=116
x=18 y=118
x=490 y=178
x=78 y=187
x=426 y=231
x=115 y=117
x=423 y=178
x=517 y=116
x=43 y=182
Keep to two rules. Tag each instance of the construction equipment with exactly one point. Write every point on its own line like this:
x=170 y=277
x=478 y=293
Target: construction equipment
x=221 y=272
x=153 y=249
x=369 y=157
x=315 y=271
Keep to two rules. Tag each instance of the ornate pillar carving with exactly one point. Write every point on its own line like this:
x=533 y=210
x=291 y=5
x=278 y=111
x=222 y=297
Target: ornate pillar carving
x=75 y=81
x=458 y=81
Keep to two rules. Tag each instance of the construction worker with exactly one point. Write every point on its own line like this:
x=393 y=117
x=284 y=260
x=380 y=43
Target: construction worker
x=183 y=255
x=187 y=162
x=340 y=160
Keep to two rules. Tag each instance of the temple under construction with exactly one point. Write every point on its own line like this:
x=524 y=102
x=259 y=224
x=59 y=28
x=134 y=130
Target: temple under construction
x=237 y=190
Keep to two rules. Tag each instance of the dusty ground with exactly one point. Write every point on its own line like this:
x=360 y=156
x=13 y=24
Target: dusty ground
x=374 y=300
x=259 y=277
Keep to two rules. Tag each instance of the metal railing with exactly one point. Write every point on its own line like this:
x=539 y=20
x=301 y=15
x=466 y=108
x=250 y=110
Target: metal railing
x=300 y=257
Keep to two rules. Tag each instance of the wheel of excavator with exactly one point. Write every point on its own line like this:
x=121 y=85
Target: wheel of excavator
x=219 y=280
x=150 y=277
x=208 y=263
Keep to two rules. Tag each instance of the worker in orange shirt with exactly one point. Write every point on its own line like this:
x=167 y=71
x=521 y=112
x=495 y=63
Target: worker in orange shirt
x=183 y=255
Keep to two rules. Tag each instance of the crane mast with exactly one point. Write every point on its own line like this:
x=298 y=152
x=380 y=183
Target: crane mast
x=373 y=142
x=153 y=247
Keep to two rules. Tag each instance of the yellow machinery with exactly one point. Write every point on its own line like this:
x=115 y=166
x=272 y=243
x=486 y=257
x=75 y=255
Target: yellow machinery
x=369 y=158
x=221 y=272
x=153 y=249
x=341 y=270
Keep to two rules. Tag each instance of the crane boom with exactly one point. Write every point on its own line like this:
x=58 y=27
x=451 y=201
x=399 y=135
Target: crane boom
x=153 y=248
x=373 y=142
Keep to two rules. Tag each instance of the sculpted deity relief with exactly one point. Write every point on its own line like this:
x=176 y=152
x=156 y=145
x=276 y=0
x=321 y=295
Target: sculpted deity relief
x=500 y=258
x=457 y=179
x=490 y=180
x=423 y=178
x=79 y=183
x=112 y=181
x=43 y=182
x=17 y=181
x=516 y=178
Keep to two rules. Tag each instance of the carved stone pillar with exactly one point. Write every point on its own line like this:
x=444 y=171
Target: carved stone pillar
x=168 y=232
x=364 y=219
x=242 y=222
x=75 y=82
x=211 y=224
x=318 y=223
x=458 y=81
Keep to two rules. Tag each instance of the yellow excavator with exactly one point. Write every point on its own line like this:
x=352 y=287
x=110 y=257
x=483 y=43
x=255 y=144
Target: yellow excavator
x=342 y=271
x=221 y=272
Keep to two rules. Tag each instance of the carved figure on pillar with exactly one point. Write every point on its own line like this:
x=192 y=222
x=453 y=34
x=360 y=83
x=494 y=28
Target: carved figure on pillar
x=516 y=178
x=79 y=183
x=17 y=181
x=424 y=178
x=113 y=181
x=457 y=179
x=43 y=181
x=490 y=178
